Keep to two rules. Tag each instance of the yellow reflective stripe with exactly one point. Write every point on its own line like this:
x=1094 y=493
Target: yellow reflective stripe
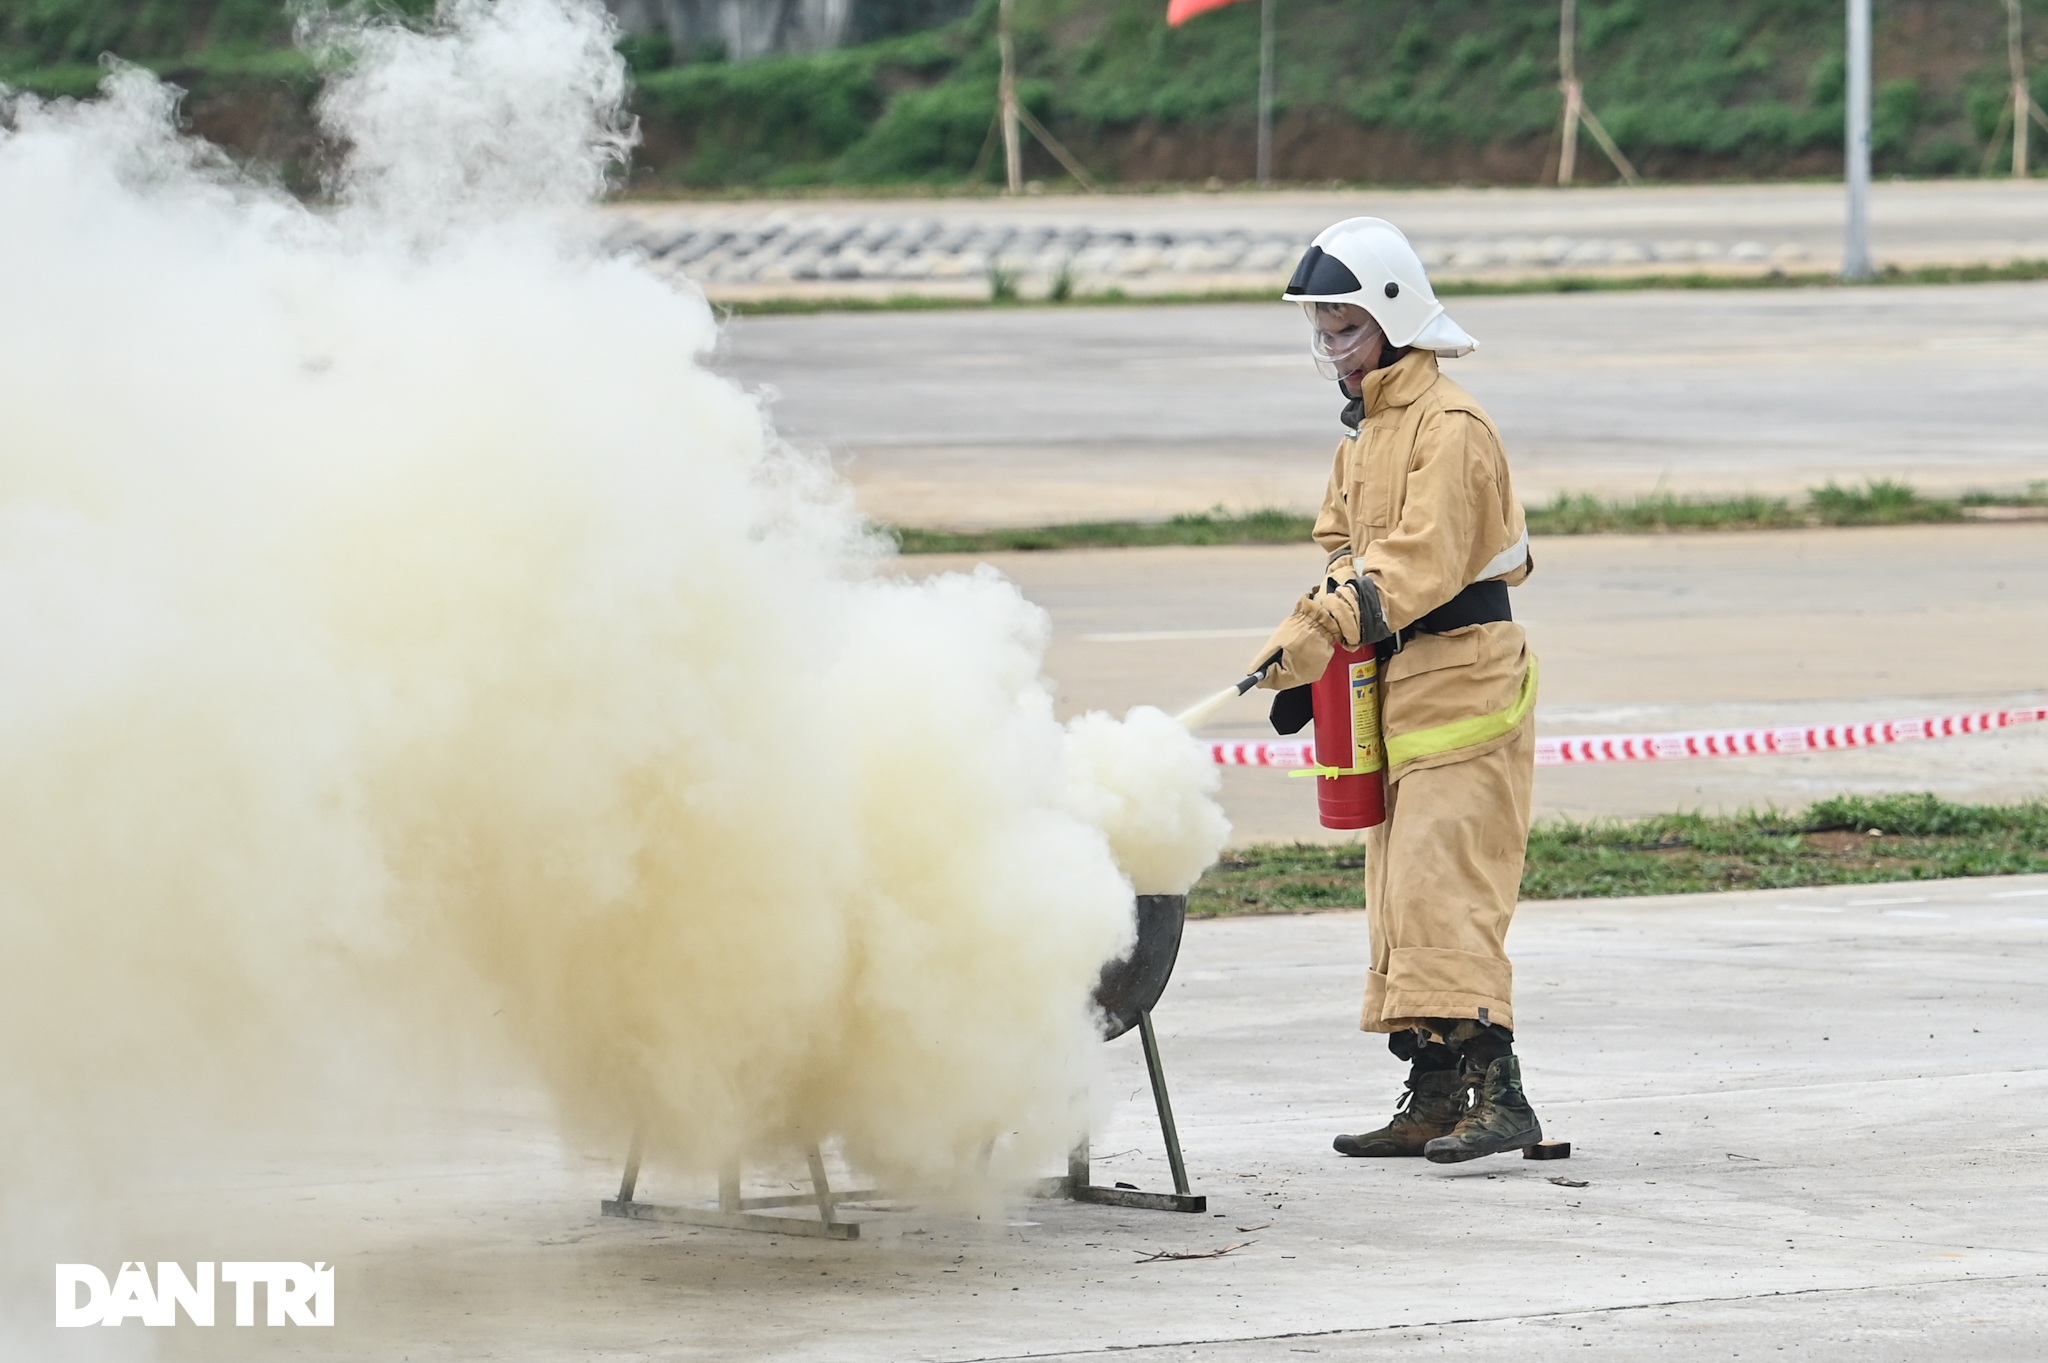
x=1464 y=733
x=1334 y=772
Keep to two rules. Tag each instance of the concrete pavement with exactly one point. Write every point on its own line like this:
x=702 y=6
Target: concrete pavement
x=1805 y=1124
x=1044 y=415
x=1636 y=632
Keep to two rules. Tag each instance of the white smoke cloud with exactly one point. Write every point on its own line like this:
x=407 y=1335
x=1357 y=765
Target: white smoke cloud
x=1149 y=790
x=399 y=625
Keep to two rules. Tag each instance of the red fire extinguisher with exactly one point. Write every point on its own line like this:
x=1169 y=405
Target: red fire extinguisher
x=1351 y=759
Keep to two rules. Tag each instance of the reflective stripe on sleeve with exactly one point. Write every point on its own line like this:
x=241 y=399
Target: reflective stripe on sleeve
x=1507 y=560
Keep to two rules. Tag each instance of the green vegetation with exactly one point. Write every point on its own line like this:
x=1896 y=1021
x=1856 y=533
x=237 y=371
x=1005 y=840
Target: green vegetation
x=1207 y=528
x=1381 y=91
x=1844 y=841
x=54 y=47
x=1878 y=502
x=54 y=34
x=1064 y=294
x=1374 y=90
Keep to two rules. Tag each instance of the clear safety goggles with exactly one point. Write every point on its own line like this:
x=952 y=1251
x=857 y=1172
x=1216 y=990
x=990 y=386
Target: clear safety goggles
x=1339 y=336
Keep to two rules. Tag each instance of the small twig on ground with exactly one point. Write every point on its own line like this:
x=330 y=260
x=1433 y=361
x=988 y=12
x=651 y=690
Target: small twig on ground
x=1571 y=1183
x=1159 y=1255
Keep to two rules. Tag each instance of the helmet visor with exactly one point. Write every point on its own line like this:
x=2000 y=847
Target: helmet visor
x=1340 y=337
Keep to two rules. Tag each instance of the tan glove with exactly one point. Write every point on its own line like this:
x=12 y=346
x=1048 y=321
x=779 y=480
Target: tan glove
x=1301 y=649
x=1353 y=604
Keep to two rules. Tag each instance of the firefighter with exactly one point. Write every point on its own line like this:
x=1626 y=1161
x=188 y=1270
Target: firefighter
x=1423 y=538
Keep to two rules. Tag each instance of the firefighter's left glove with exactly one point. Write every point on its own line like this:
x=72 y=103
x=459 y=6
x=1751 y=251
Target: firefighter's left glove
x=1353 y=608
x=1361 y=595
x=1353 y=603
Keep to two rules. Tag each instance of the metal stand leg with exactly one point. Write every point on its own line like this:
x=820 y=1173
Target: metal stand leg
x=820 y=1189
x=1076 y=1184
x=735 y=1212
x=632 y=1177
x=729 y=1188
x=1162 y=1102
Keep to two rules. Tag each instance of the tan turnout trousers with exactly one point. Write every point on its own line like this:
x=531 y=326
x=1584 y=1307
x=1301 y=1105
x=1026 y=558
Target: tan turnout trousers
x=1421 y=499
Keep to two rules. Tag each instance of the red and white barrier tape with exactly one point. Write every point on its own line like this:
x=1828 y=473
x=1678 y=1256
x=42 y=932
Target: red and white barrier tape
x=1562 y=752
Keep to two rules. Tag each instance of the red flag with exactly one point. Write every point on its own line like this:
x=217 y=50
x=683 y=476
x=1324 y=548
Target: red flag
x=1179 y=12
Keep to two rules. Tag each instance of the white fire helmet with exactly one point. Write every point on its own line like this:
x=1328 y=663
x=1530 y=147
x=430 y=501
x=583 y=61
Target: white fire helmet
x=1367 y=262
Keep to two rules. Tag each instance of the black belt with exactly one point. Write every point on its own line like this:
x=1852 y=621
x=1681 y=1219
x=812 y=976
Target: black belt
x=1482 y=603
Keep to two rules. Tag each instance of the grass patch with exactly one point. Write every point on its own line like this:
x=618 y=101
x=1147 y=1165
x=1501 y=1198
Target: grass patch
x=2014 y=271
x=1877 y=502
x=1916 y=837
x=1207 y=528
x=2019 y=271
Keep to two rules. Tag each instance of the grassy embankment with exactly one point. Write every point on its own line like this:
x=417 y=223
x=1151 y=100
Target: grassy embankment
x=1387 y=91
x=1370 y=91
x=1879 y=502
x=1845 y=841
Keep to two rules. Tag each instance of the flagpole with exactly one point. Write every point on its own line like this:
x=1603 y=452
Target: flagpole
x=1856 y=149
x=2022 y=97
x=1568 y=69
x=1013 y=150
x=1265 y=158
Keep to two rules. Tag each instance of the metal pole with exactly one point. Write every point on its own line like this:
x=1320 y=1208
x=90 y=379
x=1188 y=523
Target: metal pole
x=1013 y=150
x=1568 y=80
x=1265 y=166
x=2022 y=99
x=1856 y=145
x=1157 y=1070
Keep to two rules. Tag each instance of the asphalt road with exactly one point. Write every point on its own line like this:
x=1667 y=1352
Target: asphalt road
x=1635 y=633
x=1041 y=415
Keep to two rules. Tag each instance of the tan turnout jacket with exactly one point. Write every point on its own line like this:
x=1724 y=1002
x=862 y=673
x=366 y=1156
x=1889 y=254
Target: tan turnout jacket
x=1421 y=499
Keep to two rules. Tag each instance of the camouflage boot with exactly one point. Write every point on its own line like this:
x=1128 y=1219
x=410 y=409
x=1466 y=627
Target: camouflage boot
x=1500 y=1117
x=1431 y=1107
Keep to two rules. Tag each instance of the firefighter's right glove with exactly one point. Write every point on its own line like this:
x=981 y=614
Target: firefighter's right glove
x=1301 y=649
x=1351 y=614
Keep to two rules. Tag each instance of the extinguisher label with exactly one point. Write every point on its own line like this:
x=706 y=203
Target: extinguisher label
x=1365 y=715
